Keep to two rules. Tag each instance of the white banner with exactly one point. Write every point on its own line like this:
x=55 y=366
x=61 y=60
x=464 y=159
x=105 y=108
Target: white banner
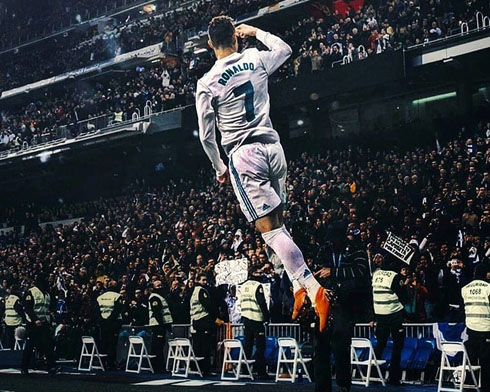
x=232 y=272
x=399 y=248
x=146 y=52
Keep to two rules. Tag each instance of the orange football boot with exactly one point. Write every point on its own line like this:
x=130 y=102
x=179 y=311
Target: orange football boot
x=323 y=307
x=299 y=301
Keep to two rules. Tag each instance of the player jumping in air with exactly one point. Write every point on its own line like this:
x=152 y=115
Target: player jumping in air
x=234 y=96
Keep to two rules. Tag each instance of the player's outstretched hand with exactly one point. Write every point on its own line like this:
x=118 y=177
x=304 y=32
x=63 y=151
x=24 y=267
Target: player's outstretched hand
x=224 y=178
x=246 y=31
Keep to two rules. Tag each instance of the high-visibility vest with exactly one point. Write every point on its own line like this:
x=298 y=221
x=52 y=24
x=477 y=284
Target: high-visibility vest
x=385 y=300
x=166 y=315
x=197 y=310
x=41 y=304
x=248 y=302
x=12 y=318
x=477 y=305
x=107 y=302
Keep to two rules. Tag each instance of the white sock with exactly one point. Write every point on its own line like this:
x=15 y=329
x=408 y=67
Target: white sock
x=283 y=245
x=296 y=285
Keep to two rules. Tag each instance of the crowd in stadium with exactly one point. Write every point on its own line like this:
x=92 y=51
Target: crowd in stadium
x=79 y=50
x=23 y=21
x=317 y=44
x=377 y=27
x=435 y=199
x=166 y=86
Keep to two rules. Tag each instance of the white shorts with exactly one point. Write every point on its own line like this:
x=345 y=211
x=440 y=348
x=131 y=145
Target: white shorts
x=258 y=175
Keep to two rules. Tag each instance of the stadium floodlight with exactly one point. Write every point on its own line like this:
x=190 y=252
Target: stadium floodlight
x=433 y=98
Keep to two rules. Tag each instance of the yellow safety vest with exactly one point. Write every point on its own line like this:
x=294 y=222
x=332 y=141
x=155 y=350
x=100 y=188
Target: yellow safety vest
x=385 y=300
x=41 y=305
x=107 y=302
x=197 y=310
x=12 y=318
x=248 y=301
x=166 y=315
x=477 y=305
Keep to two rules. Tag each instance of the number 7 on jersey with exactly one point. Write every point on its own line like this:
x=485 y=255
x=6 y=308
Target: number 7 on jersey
x=247 y=89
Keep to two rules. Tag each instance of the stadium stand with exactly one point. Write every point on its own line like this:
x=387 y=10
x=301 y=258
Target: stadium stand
x=317 y=43
x=434 y=196
x=23 y=21
x=325 y=40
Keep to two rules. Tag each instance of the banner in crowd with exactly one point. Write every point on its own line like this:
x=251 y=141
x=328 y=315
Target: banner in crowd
x=269 y=9
x=146 y=52
x=232 y=272
x=399 y=248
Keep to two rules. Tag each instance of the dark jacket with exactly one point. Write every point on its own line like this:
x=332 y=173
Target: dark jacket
x=350 y=278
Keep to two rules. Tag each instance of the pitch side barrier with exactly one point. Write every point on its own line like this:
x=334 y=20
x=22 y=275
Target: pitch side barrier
x=302 y=334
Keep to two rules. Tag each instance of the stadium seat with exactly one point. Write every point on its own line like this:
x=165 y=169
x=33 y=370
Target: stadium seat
x=138 y=351
x=172 y=352
x=234 y=352
x=425 y=349
x=184 y=355
x=90 y=352
x=271 y=350
x=360 y=345
x=288 y=347
x=20 y=338
x=457 y=373
x=387 y=352
x=408 y=352
x=235 y=365
x=450 y=332
x=374 y=342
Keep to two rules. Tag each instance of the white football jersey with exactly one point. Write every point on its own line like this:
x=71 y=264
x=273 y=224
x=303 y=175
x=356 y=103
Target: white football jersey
x=234 y=96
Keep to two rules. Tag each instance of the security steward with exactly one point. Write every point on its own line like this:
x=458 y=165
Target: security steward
x=254 y=314
x=388 y=297
x=37 y=306
x=14 y=315
x=160 y=323
x=203 y=320
x=476 y=297
x=344 y=271
x=110 y=306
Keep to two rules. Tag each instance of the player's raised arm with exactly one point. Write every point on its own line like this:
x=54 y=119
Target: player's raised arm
x=279 y=51
x=207 y=129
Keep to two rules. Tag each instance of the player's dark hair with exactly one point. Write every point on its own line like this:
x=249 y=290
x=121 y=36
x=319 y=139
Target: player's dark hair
x=220 y=31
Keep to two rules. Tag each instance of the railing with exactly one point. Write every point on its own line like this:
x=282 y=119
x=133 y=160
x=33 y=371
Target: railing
x=279 y=330
x=463 y=30
x=485 y=21
x=411 y=330
x=91 y=126
x=233 y=330
x=68 y=25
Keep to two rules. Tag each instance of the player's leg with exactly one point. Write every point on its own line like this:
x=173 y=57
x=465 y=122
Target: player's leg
x=253 y=168
x=278 y=238
x=317 y=294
